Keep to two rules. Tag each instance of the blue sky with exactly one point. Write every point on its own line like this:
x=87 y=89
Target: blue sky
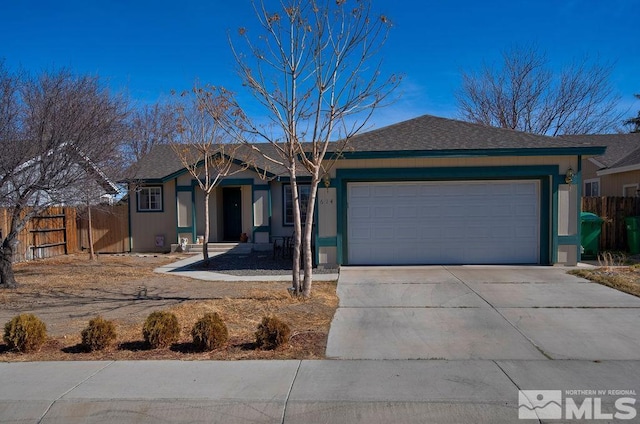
x=149 y=48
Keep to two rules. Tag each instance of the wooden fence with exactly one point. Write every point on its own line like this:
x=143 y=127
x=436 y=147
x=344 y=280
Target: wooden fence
x=63 y=230
x=110 y=229
x=613 y=210
x=52 y=233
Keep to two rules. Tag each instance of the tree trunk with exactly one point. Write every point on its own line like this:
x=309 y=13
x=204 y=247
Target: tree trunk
x=92 y=253
x=205 y=246
x=297 y=236
x=7 y=278
x=308 y=234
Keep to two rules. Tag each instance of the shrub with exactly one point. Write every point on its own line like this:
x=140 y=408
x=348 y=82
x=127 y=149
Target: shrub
x=99 y=334
x=25 y=332
x=272 y=333
x=161 y=329
x=210 y=332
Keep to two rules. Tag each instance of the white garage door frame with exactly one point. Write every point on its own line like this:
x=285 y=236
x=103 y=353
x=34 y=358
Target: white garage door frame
x=547 y=175
x=444 y=222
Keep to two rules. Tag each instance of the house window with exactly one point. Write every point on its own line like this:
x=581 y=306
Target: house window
x=303 y=192
x=150 y=199
x=630 y=190
x=592 y=187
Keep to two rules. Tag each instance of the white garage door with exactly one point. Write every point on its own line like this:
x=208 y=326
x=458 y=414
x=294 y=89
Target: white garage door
x=461 y=222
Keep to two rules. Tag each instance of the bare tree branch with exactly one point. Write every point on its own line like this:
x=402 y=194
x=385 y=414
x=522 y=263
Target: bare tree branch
x=205 y=149
x=524 y=94
x=313 y=68
x=58 y=130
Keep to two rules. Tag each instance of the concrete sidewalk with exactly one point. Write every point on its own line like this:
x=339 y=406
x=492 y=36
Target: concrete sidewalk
x=295 y=391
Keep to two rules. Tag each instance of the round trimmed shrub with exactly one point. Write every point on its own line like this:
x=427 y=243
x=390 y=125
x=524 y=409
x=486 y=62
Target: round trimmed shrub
x=99 y=334
x=25 y=333
x=272 y=333
x=210 y=332
x=161 y=329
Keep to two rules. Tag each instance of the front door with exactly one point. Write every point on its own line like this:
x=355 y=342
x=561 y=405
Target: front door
x=231 y=213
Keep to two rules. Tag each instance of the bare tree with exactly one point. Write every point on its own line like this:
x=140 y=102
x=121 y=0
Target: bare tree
x=150 y=125
x=525 y=94
x=65 y=127
x=634 y=122
x=205 y=149
x=313 y=68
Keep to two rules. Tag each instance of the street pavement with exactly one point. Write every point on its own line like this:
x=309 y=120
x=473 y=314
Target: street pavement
x=408 y=345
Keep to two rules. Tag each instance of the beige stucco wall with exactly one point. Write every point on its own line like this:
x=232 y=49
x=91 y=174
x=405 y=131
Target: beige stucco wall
x=568 y=201
x=145 y=226
x=255 y=205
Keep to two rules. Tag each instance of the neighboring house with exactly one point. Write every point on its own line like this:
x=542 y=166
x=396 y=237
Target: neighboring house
x=425 y=191
x=617 y=171
x=80 y=181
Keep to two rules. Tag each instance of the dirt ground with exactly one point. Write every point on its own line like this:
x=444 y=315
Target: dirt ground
x=66 y=292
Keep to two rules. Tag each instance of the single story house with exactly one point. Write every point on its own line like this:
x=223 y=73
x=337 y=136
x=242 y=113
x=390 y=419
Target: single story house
x=617 y=171
x=428 y=190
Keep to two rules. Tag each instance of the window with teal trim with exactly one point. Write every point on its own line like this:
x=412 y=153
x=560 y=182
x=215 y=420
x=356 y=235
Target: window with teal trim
x=150 y=199
x=303 y=193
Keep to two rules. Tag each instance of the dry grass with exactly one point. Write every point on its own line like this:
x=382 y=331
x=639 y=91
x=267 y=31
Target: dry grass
x=625 y=279
x=111 y=287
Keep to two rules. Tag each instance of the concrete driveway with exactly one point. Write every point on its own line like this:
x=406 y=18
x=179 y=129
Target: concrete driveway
x=480 y=312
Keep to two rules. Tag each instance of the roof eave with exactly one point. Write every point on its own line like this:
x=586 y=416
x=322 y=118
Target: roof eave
x=545 y=151
x=618 y=170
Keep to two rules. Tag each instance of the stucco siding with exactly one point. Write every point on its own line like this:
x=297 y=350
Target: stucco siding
x=146 y=226
x=613 y=184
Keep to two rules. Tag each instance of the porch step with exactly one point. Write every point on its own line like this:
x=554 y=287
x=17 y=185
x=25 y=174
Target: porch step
x=233 y=248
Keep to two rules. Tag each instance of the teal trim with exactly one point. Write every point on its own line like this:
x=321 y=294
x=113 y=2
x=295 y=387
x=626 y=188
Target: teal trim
x=316 y=234
x=261 y=187
x=301 y=180
x=464 y=153
x=548 y=224
x=194 y=184
x=555 y=183
x=129 y=220
x=284 y=202
x=578 y=182
x=262 y=229
x=177 y=189
x=236 y=182
x=326 y=241
x=161 y=210
x=565 y=240
x=187 y=189
x=443 y=174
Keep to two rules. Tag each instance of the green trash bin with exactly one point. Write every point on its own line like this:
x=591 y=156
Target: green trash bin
x=633 y=234
x=590 y=229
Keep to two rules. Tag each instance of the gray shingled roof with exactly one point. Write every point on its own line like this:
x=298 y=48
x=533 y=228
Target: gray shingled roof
x=426 y=134
x=622 y=149
x=162 y=161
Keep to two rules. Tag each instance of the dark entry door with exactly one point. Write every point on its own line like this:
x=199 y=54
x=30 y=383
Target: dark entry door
x=231 y=213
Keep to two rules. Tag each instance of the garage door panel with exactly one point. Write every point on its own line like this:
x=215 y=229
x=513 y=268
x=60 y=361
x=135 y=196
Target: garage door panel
x=384 y=234
x=443 y=222
x=383 y=212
